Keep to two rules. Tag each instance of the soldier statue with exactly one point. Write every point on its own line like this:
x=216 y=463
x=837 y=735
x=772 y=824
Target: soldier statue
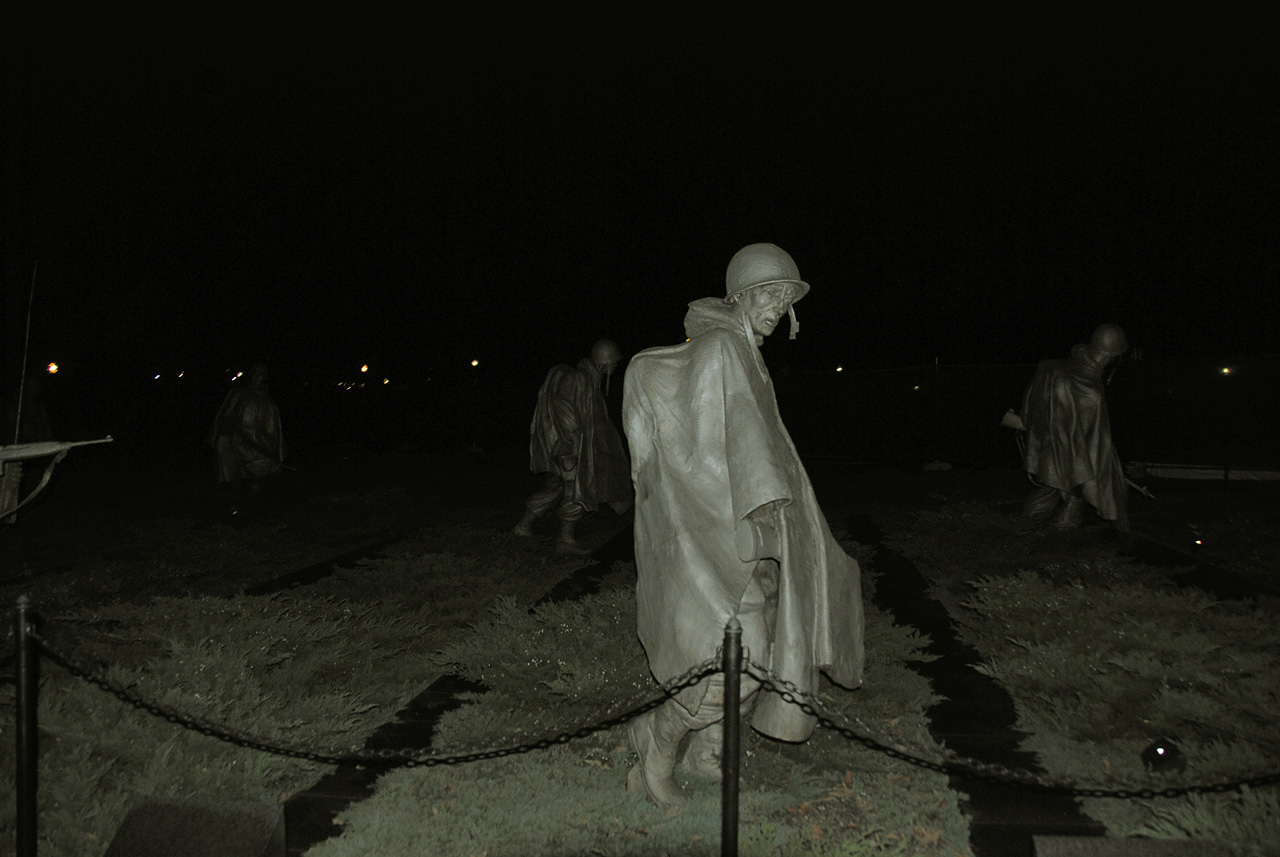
x=1068 y=451
x=727 y=525
x=246 y=434
x=573 y=442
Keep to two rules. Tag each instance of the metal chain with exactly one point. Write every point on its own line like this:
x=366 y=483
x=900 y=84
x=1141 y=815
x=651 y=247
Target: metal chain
x=952 y=764
x=615 y=715
x=956 y=765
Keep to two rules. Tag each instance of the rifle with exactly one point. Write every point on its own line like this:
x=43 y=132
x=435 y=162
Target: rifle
x=1013 y=421
x=24 y=451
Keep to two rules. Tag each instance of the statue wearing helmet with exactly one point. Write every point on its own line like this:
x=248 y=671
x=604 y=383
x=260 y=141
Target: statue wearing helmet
x=246 y=434
x=573 y=442
x=1068 y=451
x=727 y=525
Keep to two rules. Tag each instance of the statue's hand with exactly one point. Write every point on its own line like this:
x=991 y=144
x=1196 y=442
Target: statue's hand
x=757 y=534
x=766 y=515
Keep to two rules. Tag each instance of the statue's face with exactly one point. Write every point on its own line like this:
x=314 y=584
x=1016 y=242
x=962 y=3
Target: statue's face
x=766 y=305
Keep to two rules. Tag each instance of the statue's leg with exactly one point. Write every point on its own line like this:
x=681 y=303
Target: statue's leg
x=756 y=613
x=1071 y=513
x=570 y=513
x=655 y=738
x=542 y=501
x=706 y=745
x=1041 y=503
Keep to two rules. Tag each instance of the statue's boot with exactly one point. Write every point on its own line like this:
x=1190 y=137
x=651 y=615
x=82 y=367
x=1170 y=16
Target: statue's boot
x=655 y=737
x=702 y=756
x=566 y=543
x=525 y=527
x=1069 y=516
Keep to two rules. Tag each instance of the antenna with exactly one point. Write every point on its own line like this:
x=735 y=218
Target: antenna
x=26 y=344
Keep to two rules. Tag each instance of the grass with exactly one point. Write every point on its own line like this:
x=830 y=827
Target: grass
x=321 y=666
x=1100 y=655
x=564 y=664
x=1103 y=656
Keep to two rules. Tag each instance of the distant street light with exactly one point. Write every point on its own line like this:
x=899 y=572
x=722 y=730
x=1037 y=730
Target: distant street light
x=475 y=362
x=52 y=368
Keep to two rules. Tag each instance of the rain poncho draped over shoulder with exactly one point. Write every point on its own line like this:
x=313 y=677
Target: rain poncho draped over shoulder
x=247 y=436
x=708 y=447
x=571 y=434
x=1069 y=434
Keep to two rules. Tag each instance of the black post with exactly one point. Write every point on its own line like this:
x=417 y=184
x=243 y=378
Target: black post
x=1226 y=430
x=732 y=666
x=27 y=765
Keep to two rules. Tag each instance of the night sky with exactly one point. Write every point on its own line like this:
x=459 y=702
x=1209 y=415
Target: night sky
x=415 y=192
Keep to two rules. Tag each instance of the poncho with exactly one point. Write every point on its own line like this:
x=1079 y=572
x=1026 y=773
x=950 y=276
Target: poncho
x=1069 y=434
x=247 y=435
x=571 y=422
x=708 y=447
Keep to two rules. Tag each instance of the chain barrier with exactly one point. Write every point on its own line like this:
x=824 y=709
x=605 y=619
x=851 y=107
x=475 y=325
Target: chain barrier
x=953 y=764
x=943 y=761
x=615 y=715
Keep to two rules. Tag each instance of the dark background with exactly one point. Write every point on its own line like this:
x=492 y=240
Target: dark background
x=414 y=192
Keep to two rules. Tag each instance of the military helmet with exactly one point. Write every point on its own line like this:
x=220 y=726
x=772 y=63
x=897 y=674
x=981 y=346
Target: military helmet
x=1109 y=339
x=762 y=265
x=605 y=351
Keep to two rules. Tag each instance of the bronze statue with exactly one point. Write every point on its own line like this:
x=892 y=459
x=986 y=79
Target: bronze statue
x=573 y=442
x=727 y=524
x=246 y=433
x=1068 y=452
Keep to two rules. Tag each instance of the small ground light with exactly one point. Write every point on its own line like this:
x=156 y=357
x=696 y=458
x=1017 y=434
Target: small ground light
x=386 y=380
x=916 y=387
x=157 y=378
x=364 y=368
x=1163 y=756
x=839 y=368
x=52 y=368
x=475 y=362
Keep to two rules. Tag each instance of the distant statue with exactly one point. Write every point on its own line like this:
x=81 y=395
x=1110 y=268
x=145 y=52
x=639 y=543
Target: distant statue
x=246 y=433
x=1069 y=453
x=573 y=442
x=727 y=525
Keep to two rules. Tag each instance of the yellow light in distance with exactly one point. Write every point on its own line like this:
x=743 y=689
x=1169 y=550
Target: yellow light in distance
x=52 y=368
x=839 y=368
x=475 y=362
x=364 y=368
x=1226 y=370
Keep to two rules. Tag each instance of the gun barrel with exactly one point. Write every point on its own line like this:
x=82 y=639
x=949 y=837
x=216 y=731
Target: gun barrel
x=24 y=451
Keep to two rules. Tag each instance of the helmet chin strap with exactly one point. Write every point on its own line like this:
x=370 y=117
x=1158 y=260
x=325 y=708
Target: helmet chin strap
x=795 y=324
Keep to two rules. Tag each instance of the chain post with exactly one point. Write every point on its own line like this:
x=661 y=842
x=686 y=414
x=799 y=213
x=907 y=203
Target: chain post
x=732 y=666
x=26 y=745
